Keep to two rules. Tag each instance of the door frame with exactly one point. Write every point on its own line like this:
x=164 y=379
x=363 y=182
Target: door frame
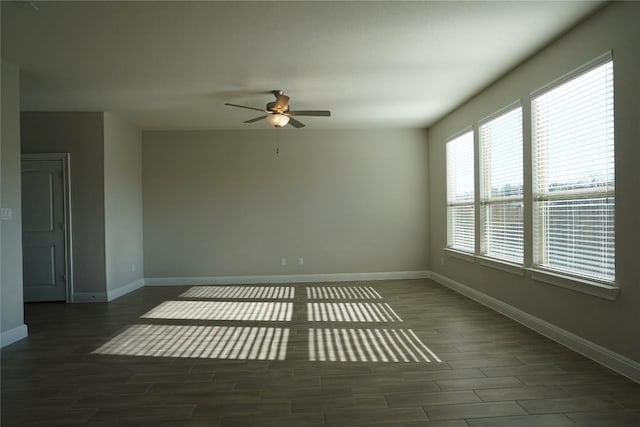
x=66 y=186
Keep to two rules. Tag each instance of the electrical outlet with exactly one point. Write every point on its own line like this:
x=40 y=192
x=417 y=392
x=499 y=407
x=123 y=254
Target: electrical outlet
x=300 y=261
x=284 y=261
x=133 y=268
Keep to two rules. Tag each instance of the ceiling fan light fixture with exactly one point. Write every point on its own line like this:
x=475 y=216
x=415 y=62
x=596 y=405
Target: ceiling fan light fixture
x=278 y=120
x=278 y=113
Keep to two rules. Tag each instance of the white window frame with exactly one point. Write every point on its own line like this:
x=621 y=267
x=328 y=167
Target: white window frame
x=452 y=201
x=541 y=269
x=487 y=200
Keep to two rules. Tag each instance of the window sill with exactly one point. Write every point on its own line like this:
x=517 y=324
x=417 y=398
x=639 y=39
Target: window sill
x=585 y=286
x=465 y=256
x=501 y=265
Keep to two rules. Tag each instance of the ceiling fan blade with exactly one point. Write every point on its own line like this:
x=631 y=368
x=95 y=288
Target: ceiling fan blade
x=244 y=106
x=281 y=103
x=255 y=120
x=317 y=113
x=296 y=124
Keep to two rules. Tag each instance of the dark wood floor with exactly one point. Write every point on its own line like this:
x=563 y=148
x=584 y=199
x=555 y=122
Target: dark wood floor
x=388 y=353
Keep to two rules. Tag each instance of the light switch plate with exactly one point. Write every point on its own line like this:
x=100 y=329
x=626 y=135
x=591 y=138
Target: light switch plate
x=6 y=214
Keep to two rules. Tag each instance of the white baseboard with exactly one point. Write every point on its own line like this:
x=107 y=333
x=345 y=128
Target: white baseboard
x=123 y=290
x=13 y=335
x=289 y=278
x=612 y=360
x=80 y=297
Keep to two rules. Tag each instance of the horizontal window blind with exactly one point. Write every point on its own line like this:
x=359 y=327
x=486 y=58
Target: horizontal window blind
x=460 y=193
x=574 y=175
x=578 y=236
x=503 y=224
x=502 y=187
x=462 y=227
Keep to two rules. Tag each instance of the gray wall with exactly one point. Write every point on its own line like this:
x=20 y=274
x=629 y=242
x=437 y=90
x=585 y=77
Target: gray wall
x=82 y=135
x=224 y=203
x=122 y=202
x=614 y=325
x=12 y=318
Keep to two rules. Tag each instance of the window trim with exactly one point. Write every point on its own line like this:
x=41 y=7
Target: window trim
x=544 y=271
x=462 y=255
x=600 y=60
x=459 y=133
x=464 y=131
x=502 y=111
x=503 y=200
x=575 y=283
x=501 y=264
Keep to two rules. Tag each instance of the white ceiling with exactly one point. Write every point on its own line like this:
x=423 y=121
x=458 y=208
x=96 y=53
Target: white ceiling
x=172 y=65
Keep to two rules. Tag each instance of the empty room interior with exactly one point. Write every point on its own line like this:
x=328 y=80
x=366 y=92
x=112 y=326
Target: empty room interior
x=320 y=213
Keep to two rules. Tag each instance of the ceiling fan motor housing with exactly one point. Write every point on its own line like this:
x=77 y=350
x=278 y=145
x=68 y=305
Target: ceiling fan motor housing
x=271 y=106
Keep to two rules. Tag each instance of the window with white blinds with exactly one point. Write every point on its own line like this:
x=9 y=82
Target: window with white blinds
x=460 y=193
x=501 y=196
x=574 y=180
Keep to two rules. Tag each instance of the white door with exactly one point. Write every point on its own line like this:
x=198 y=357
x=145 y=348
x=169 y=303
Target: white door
x=44 y=230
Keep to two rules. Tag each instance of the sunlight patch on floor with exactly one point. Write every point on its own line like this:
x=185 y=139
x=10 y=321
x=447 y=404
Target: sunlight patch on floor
x=222 y=310
x=367 y=345
x=351 y=312
x=238 y=292
x=342 y=292
x=211 y=342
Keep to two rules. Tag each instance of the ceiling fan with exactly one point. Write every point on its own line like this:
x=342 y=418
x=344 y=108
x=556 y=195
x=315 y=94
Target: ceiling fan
x=279 y=114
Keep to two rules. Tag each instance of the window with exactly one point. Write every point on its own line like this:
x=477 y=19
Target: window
x=573 y=175
x=501 y=197
x=460 y=193
x=570 y=193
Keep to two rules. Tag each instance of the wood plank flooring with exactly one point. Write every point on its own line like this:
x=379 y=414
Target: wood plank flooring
x=383 y=353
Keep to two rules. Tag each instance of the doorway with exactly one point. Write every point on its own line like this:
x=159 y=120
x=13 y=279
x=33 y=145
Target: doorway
x=46 y=227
